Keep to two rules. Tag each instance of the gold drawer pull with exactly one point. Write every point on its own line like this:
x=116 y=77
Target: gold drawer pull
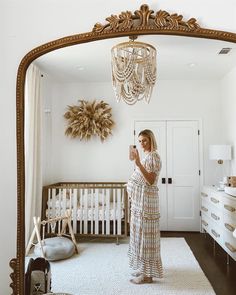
x=204 y=208
x=214 y=200
x=229 y=227
x=204 y=223
x=229 y=208
x=204 y=195
x=215 y=216
x=215 y=233
x=230 y=247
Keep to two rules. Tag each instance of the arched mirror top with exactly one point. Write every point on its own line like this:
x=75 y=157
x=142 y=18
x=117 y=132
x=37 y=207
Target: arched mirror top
x=143 y=21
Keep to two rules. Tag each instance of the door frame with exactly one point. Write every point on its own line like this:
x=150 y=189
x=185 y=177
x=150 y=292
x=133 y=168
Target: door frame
x=200 y=144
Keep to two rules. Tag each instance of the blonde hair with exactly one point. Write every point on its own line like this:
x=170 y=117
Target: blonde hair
x=149 y=134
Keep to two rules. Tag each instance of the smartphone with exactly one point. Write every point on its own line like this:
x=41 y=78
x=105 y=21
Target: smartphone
x=131 y=152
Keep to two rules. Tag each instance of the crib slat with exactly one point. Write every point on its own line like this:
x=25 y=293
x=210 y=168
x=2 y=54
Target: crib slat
x=74 y=209
x=118 y=211
x=59 y=206
x=92 y=210
x=62 y=201
x=54 y=209
x=53 y=204
x=107 y=211
x=49 y=208
x=96 y=213
x=114 y=210
x=81 y=211
x=62 y=205
x=102 y=213
x=85 y=211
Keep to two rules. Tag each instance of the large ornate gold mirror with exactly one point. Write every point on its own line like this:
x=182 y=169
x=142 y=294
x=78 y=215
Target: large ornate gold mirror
x=158 y=27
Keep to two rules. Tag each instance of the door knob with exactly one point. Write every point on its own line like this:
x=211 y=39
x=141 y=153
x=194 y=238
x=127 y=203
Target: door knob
x=169 y=180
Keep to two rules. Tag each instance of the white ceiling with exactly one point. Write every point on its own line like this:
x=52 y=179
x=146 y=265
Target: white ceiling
x=90 y=62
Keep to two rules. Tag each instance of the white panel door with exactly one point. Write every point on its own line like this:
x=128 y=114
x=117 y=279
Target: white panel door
x=179 y=150
x=159 y=129
x=183 y=175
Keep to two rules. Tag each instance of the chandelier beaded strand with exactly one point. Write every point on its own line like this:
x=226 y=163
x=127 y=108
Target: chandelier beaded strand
x=133 y=71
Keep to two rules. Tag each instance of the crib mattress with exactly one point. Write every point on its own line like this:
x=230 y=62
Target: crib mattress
x=100 y=213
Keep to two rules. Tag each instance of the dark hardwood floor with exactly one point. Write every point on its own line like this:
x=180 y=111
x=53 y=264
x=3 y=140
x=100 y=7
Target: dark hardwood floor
x=214 y=263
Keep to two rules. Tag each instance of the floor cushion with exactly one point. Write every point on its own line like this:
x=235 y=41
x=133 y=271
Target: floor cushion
x=56 y=248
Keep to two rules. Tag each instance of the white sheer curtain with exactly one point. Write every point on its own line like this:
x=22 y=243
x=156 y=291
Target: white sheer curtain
x=33 y=144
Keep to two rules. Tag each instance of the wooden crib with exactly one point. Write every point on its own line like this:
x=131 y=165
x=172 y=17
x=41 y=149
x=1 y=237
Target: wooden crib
x=98 y=208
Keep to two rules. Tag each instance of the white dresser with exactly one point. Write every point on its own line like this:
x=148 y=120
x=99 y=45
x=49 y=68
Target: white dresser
x=218 y=217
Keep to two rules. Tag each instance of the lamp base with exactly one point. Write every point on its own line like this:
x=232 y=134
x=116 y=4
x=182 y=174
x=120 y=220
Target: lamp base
x=220 y=189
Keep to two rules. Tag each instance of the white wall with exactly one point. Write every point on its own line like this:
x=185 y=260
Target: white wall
x=26 y=24
x=228 y=104
x=75 y=160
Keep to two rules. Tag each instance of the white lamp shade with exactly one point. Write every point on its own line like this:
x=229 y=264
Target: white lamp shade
x=220 y=152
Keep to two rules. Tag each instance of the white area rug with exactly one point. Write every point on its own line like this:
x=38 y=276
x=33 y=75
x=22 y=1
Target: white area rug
x=102 y=269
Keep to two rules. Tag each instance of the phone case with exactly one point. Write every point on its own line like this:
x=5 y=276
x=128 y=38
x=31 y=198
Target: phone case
x=131 y=152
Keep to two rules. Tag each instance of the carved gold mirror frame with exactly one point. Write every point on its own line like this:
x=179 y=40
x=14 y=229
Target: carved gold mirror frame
x=142 y=22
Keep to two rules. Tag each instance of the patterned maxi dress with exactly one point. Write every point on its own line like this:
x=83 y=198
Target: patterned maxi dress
x=144 y=246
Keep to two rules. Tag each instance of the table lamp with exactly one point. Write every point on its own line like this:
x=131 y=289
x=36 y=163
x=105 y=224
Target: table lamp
x=220 y=153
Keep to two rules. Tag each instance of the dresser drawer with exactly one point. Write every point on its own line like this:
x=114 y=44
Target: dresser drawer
x=216 y=232
x=208 y=190
x=216 y=215
x=205 y=221
x=229 y=224
x=229 y=207
x=229 y=244
x=204 y=196
x=205 y=207
x=215 y=200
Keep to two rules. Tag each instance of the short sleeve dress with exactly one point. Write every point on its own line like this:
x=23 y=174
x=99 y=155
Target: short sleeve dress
x=144 y=246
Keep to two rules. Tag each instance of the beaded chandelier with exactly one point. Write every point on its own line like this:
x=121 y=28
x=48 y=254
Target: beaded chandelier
x=133 y=71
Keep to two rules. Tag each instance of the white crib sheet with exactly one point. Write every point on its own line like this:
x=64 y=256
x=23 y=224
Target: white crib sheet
x=102 y=212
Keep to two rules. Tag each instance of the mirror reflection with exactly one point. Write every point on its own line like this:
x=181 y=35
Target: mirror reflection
x=84 y=180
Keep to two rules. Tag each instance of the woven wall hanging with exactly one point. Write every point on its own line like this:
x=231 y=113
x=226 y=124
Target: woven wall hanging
x=89 y=119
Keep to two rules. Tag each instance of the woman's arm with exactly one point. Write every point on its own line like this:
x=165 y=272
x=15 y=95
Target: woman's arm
x=149 y=176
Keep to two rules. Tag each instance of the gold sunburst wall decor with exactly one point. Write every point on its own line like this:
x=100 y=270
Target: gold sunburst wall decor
x=89 y=119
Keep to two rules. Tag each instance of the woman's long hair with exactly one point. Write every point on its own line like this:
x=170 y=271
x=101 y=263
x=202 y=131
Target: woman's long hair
x=149 y=134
